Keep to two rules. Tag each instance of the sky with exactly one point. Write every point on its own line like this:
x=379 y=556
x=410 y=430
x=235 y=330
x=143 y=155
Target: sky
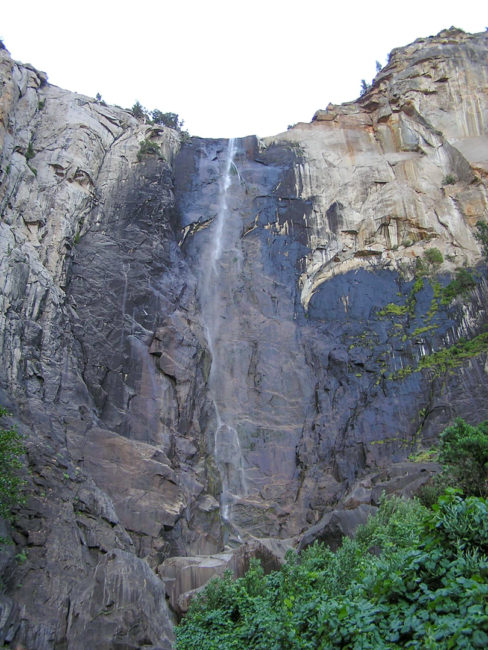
x=228 y=68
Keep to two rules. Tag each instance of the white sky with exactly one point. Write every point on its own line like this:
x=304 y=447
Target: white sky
x=227 y=68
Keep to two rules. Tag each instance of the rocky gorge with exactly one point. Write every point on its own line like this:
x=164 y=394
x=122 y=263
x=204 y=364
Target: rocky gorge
x=219 y=349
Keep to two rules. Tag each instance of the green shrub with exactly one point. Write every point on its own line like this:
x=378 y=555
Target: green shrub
x=423 y=586
x=171 y=120
x=433 y=256
x=11 y=481
x=450 y=179
x=149 y=148
x=482 y=236
x=30 y=153
x=462 y=283
x=464 y=452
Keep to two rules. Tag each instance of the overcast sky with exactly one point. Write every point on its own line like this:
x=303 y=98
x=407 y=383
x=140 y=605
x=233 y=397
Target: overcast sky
x=227 y=68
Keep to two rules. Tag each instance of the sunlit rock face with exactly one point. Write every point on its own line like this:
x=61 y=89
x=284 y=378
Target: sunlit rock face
x=231 y=339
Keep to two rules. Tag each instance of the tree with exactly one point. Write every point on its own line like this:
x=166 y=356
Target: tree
x=378 y=66
x=167 y=119
x=11 y=481
x=364 y=87
x=464 y=452
x=138 y=111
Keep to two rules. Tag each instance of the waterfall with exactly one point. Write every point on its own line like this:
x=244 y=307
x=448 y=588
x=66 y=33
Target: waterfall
x=220 y=269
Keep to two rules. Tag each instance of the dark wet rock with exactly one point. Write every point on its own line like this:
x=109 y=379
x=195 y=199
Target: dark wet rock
x=336 y=525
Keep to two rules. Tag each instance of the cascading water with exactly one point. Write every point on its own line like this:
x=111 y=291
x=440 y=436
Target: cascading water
x=221 y=265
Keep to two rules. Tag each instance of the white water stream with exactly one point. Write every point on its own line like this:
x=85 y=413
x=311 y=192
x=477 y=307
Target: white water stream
x=221 y=263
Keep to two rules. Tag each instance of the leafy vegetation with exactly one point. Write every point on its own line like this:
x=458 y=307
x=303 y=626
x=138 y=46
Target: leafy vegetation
x=30 y=153
x=447 y=358
x=168 y=119
x=450 y=179
x=412 y=577
x=149 y=148
x=482 y=236
x=464 y=452
x=433 y=256
x=156 y=116
x=364 y=87
x=462 y=283
x=11 y=481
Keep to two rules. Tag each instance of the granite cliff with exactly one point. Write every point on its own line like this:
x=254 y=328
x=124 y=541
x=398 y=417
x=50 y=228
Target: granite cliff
x=224 y=348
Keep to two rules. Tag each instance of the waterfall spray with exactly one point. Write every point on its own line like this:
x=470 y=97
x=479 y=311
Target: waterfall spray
x=219 y=274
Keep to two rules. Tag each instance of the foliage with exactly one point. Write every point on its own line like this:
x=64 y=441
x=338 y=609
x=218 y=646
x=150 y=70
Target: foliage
x=29 y=154
x=462 y=283
x=168 y=119
x=2 y=45
x=149 y=148
x=464 y=450
x=450 y=179
x=11 y=481
x=447 y=358
x=482 y=236
x=433 y=256
x=411 y=578
x=138 y=111
x=364 y=87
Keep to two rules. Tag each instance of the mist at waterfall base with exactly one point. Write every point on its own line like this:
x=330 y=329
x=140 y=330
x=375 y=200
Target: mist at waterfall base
x=228 y=70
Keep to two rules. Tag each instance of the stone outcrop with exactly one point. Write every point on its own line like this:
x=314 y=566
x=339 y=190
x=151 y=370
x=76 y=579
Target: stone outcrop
x=227 y=345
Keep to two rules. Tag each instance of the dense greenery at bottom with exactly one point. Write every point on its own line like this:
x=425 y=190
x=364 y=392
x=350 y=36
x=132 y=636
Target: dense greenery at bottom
x=413 y=577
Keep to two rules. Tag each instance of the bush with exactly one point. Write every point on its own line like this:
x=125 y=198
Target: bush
x=149 y=148
x=464 y=452
x=11 y=481
x=433 y=256
x=462 y=283
x=167 y=119
x=482 y=236
x=427 y=588
x=30 y=153
x=449 y=180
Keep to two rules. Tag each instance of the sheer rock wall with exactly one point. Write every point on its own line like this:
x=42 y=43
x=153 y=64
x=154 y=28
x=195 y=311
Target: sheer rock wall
x=323 y=388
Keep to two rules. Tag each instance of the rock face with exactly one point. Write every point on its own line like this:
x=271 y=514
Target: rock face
x=229 y=339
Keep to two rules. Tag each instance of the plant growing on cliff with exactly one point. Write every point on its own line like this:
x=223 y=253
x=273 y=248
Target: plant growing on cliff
x=462 y=283
x=30 y=153
x=450 y=179
x=171 y=120
x=11 y=481
x=149 y=148
x=481 y=235
x=138 y=111
x=433 y=256
x=364 y=87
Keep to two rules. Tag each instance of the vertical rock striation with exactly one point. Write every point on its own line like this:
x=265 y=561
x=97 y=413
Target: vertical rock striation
x=225 y=341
